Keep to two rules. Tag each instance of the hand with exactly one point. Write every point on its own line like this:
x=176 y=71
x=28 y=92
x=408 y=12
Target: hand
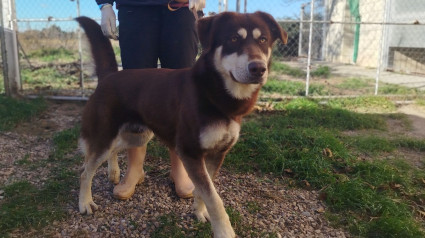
x=197 y=4
x=108 y=22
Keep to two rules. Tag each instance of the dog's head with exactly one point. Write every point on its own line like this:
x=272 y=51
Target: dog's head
x=241 y=45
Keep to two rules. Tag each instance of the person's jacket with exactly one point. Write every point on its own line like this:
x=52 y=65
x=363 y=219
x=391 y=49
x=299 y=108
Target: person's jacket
x=135 y=2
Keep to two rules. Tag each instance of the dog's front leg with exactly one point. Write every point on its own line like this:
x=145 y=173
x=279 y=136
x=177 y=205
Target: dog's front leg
x=206 y=195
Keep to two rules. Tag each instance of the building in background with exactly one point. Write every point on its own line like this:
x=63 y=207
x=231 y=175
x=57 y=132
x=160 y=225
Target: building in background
x=403 y=46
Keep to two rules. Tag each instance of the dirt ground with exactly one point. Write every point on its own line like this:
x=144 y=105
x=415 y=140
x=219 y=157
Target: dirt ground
x=286 y=211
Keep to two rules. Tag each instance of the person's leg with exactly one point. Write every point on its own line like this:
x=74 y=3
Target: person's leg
x=183 y=185
x=134 y=174
x=179 y=47
x=139 y=42
x=179 y=41
x=139 y=35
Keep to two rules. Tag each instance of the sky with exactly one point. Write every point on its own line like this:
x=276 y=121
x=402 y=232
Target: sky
x=42 y=9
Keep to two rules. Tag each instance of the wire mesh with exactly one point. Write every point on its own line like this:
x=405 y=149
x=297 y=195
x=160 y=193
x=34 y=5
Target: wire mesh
x=354 y=45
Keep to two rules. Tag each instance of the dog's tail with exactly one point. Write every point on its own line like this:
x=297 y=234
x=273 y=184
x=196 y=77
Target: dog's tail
x=101 y=47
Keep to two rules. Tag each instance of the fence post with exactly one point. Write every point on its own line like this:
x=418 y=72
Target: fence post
x=310 y=41
x=382 y=48
x=9 y=49
x=300 y=44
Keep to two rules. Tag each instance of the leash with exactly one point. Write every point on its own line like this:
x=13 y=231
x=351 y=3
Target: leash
x=182 y=4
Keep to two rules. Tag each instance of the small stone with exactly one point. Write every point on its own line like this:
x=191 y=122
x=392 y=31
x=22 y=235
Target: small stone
x=307 y=214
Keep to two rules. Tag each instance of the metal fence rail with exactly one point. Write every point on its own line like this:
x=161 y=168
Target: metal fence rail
x=335 y=47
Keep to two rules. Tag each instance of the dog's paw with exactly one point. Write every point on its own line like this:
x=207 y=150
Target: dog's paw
x=202 y=215
x=224 y=232
x=88 y=207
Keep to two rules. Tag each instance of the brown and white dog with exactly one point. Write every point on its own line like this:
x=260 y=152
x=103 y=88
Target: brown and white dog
x=196 y=111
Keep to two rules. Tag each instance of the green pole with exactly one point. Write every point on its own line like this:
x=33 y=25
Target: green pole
x=355 y=12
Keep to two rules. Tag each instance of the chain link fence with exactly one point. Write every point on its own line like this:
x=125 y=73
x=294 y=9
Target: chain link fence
x=335 y=47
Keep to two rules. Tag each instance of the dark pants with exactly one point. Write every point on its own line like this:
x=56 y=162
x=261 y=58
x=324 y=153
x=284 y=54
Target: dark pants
x=149 y=33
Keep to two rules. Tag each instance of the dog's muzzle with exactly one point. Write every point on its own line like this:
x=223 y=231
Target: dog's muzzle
x=256 y=69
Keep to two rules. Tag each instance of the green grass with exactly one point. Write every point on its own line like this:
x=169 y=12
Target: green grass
x=364 y=104
x=45 y=77
x=370 y=198
x=13 y=111
x=54 y=54
x=355 y=83
x=292 y=88
x=320 y=72
x=26 y=205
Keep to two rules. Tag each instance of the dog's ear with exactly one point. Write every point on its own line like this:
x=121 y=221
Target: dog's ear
x=204 y=26
x=276 y=30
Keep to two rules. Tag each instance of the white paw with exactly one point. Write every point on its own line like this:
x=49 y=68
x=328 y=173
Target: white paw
x=202 y=215
x=224 y=232
x=87 y=207
x=114 y=175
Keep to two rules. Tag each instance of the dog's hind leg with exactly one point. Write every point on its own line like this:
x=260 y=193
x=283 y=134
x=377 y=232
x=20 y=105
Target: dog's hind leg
x=93 y=161
x=113 y=169
x=206 y=195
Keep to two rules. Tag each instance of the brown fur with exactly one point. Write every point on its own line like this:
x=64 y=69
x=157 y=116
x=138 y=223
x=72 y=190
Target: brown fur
x=176 y=105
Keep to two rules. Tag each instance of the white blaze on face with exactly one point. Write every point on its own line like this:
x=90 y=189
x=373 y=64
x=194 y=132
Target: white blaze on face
x=236 y=65
x=256 y=33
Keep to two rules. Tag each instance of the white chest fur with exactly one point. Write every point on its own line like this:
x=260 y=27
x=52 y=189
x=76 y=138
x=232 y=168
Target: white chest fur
x=219 y=135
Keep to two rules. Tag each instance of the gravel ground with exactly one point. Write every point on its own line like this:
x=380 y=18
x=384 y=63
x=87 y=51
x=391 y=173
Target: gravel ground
x=286 y=211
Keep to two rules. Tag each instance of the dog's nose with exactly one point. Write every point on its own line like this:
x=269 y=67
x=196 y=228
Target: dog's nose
x=257 y=68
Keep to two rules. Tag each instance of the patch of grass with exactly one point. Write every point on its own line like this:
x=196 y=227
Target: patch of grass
x=157 y=149
x=321 y=71
x=54 y=54
x=292 y=88
x=304 y=141
x=355 y=83
x=409 y=143
x=47 y=77
x=394 y=89
x=14 y=111
x=371 y=144
x=168 y=227
x=253 y=207
x=26 y=205
x=288 y=70
x=364 y=104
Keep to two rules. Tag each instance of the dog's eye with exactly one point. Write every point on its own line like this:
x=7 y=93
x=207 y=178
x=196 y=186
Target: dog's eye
x=234 y=39
x=262 y=40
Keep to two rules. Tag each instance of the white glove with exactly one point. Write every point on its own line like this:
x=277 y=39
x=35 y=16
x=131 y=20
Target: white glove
x=197 y=5
x=108 y=22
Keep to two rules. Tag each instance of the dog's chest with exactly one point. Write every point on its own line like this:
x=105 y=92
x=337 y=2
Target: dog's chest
x=219 y=135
